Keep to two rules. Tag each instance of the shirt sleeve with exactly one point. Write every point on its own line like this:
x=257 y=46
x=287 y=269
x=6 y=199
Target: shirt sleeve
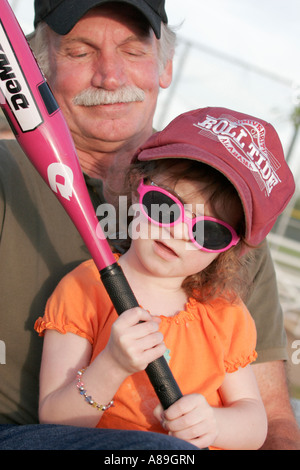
x=72 y=306
x=236 y=332
x=242 y=348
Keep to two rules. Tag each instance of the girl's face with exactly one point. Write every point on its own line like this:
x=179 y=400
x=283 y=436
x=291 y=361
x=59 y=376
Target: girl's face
x=168 y=251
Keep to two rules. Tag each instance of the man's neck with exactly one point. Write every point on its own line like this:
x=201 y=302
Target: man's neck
x=109 y=161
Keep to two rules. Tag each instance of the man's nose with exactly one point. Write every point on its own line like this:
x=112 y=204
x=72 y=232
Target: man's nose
x=109 y=72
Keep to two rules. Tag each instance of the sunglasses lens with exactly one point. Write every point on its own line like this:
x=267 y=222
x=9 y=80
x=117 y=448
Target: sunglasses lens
x=211 y=235
x=161 y=208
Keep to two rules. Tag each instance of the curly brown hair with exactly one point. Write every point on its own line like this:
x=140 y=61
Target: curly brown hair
x=227 y=275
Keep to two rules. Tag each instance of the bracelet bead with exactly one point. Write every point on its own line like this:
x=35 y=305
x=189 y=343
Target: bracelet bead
x=81 y=388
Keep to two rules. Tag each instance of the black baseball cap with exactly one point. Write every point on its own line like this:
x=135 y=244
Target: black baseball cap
x=62 y=15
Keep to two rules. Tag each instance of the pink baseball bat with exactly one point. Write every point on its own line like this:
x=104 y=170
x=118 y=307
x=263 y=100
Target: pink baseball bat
x=40 y=129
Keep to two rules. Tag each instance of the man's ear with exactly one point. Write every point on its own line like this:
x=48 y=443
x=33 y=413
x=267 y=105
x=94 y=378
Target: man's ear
x=166 y=76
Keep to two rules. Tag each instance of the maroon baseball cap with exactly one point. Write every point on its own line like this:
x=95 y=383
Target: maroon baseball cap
x=245 y=149
x=62 y=15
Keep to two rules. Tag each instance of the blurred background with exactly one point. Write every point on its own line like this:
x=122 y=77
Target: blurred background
x=240 y=54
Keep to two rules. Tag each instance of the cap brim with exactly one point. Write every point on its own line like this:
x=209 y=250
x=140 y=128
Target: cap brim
x=181 y=150
x=64 y=17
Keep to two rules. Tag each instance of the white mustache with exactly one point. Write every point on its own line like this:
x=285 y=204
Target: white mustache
x=98 y=96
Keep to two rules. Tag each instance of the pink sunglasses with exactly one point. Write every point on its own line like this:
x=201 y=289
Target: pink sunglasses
x=166 y=210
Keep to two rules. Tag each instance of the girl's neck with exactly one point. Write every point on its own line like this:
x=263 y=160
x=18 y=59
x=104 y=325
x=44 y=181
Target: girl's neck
x=160 y=296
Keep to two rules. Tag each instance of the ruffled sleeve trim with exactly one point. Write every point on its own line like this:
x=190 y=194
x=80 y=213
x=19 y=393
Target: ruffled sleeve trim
x=41 y=326
x=241 y=363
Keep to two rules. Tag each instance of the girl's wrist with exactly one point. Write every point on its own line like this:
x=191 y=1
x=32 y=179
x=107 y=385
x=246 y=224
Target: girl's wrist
x=114 y=369
x=88 y=398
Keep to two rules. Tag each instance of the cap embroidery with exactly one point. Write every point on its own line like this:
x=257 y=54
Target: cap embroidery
x=245 y=140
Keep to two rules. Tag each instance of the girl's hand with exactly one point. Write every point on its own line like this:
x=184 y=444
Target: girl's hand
x=135 y=341
x=191 y=418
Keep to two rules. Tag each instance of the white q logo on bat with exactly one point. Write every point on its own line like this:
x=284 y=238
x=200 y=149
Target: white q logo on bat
x=59 y=171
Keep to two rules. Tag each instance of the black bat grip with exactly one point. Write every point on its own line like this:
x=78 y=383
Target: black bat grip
x=123 y=299
x=118 y=288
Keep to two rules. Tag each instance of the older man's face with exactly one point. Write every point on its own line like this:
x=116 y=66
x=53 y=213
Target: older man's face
x=109 y=54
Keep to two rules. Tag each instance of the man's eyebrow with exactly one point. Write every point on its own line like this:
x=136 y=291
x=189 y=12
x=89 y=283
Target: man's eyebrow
x=142 y=38
x=137 y=38
x=68 y=41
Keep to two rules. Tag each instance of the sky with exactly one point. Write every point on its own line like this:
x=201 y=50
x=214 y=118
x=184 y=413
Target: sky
x=240 y=54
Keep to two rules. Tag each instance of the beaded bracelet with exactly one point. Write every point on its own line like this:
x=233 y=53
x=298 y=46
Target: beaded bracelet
x=89 y=399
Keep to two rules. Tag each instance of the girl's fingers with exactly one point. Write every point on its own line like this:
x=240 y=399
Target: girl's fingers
x=136 y=339
x=136 y=324
x=135 y=316
x=190 y=419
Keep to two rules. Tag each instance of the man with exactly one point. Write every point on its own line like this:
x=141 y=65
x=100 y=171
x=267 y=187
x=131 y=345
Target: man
x=105 y=67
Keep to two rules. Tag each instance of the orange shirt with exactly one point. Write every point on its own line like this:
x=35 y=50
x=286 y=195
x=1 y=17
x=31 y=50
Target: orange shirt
x=204 y=342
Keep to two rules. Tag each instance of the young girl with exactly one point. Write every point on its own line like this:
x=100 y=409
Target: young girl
x=203 y=191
